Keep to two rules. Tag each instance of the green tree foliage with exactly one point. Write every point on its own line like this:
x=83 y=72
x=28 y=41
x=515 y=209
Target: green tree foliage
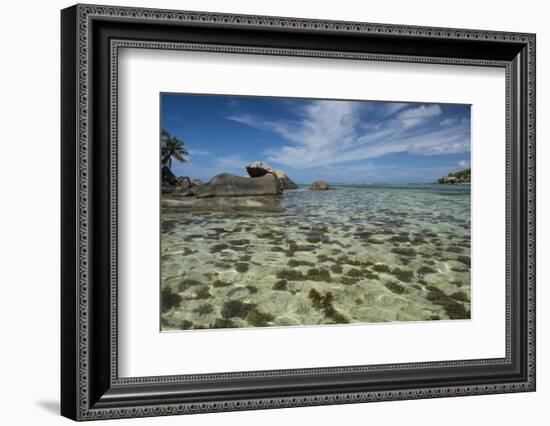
x=461 y=174
x=171 y=147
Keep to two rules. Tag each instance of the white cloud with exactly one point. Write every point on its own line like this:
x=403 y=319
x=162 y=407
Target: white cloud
x=244 y=119
x=415 y=116
x=332 y=132
x=392 y=108
x=448 y=122
x=197 y=152
x=464 y=163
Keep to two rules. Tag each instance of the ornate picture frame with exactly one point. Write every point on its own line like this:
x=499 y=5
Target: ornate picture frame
x=91 y=38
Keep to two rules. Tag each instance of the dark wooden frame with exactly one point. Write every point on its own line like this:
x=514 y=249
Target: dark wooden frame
x=90 y=386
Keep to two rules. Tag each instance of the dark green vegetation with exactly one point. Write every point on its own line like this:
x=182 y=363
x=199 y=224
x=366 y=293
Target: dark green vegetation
x=293 y=263
x=252 y=289
x=280 y=285
x=453 y=307
x=371 y=275
x=203 y=293
x=354 y=273
x=402 y=274
x=239 y=242
x=185 y=325
x=462 y=176
x=241 y=267
x=423 y=270
x=395 y=287
x=220 y=283
x=169 y=299
x=223 y=323
x=349 y=280
x=171 y=147
x=314 y=296
x=460 y=296
x=464 y=259
x=259 y=319
x=218 y=247
x=204 y=309
x=337 y=269
x=404 y=251
x=314 y=274
x=466 y=173
x=236 y=308
x=318 y=274
x=325 y=302
x=381 y=267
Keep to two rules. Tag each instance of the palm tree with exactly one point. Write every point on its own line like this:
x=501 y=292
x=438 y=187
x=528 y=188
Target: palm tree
x=171 y=146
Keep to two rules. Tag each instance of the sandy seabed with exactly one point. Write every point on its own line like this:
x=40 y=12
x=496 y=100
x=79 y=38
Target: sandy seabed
x=356 y=254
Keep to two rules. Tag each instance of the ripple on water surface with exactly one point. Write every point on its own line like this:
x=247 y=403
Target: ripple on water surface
x=356 y=254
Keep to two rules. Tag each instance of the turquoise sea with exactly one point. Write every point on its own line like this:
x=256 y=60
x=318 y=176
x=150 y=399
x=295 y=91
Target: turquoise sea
x=355 y=254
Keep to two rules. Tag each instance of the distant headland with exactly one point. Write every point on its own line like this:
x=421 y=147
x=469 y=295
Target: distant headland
x=462 y=176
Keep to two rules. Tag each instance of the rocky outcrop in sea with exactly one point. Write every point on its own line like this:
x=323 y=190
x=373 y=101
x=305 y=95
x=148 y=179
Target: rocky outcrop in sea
x=227 y=192
x=320 y=185
x=259 y=169
x=228 y=185
x=463 y=176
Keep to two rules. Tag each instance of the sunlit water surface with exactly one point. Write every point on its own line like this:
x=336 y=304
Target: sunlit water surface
x=357 y=254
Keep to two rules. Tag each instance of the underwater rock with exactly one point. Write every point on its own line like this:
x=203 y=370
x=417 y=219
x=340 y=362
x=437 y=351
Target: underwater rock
x=228 y=185
x=167 y=188
x=219 y=204
x=320 y=185
x=179 y=191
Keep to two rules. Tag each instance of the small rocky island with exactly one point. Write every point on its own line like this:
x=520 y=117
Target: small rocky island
x=320 y=185
x=462 y=176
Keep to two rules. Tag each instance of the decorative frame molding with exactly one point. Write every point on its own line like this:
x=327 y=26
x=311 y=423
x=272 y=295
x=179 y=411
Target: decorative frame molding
x=91 y=37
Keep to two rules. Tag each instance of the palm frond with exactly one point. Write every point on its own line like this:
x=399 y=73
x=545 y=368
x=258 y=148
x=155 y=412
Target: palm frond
x=171 y=147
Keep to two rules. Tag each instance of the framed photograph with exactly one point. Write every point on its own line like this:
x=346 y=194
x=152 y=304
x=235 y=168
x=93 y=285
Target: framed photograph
x=263 y=212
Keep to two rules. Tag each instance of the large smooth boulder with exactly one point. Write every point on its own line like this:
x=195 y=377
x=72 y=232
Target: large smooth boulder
x=228 y=185
x=259 y=169
x=320 y=185
x=286 y=182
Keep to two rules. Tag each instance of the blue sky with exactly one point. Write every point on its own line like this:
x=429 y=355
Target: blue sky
x=337 y=141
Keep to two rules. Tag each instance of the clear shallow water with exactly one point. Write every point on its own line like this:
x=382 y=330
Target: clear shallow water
x=356 y=254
